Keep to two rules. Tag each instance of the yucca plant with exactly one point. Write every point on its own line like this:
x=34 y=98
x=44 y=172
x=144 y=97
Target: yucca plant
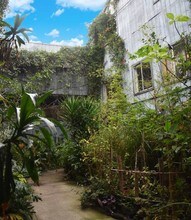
x=23 y=120
x=11 y=36
x=80 y=114
x=81 y=117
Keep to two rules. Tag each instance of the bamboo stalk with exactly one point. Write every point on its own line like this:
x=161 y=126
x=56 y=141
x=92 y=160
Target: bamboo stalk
x=136 y=176
x=121 y=178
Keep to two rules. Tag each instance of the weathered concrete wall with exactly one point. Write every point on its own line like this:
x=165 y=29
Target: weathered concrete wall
x=63 y=83
x=131 y=15
x=40 y=46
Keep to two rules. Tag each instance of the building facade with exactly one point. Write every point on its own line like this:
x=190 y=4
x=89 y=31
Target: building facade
x=33 y=46
x=142 y=80
x=61 y=82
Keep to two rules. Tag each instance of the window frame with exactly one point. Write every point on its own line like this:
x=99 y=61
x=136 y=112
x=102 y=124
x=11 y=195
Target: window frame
x=172 y=65
x=136 y=89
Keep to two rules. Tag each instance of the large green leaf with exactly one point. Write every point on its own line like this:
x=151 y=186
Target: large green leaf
x=50 y=125
x=18 y=20
x=10 y=112
x=4 y=24
x=18 y=115
x=182 y=18
x=57 y=123
x=20 y=40
x=43 y=97
x=31 y=168
x=27 y=107
x=25 y=35
x=3 y=99
x=47 y=137
x=33 y=96
x=170 y=16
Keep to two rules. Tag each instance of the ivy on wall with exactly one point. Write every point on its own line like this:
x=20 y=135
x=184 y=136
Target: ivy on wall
x=38 y=67
x=103 y=33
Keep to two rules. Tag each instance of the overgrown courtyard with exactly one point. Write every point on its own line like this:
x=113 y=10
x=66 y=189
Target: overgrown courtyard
x=134 y=160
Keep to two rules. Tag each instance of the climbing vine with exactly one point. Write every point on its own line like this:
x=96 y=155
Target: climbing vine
x=35 y=69
x=3 y=7
x=103 y=33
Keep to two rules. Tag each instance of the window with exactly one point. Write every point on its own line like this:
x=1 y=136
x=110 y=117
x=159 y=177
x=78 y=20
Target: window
x=181 y=56
x=143 y=77
x=179 y=66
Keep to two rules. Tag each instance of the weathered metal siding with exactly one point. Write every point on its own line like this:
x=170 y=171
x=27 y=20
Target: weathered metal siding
x=131 y=15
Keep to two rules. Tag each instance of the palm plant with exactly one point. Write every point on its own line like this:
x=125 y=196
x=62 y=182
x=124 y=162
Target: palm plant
x=11 y=36
x=80 y=115
x=23 y=120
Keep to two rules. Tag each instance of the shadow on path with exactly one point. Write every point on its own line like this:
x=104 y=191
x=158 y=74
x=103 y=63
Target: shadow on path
x=61 y=200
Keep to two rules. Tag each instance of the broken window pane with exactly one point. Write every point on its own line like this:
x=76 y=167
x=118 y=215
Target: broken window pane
x=143 y=76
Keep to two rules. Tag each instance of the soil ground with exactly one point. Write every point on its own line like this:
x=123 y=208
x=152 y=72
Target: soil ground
x=61 y=200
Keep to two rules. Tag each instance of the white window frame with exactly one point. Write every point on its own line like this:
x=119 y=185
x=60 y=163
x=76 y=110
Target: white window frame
x=137 y=90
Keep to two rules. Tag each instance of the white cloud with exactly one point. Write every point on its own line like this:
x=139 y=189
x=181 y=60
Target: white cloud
x=19 y=7
x=74 y=42
x=80 y=36
x=58 y=12
x=36 y=41
x=82 y=4
x=53 y=33
x=33 y=37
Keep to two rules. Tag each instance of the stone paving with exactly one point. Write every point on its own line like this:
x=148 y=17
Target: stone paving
x=61 y=200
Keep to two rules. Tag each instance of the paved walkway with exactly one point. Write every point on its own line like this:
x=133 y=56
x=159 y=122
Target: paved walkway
x=61 y=200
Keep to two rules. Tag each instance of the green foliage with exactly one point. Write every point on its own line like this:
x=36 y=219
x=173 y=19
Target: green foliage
x=72 y=160
x=178 y=18
x=100 y=29
x=147 y=140
x=22 y=200
x=97 y=189
x=80 y=116
x=100 y=195
x=36 y=69
x=102 y=33
x=148 y=137
x=119 y=132
x=21 y=120
x=3 y=7
x=20 y=205
x=154 y=50
x=11 y=37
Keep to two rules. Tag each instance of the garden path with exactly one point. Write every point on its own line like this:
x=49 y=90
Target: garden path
x=61 y=200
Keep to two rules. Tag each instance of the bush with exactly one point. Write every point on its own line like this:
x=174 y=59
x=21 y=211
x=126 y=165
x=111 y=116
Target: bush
x=80 y=115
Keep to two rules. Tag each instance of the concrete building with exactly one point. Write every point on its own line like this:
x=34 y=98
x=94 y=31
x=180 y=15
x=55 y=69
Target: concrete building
x=63 y=83
x=32 y=46
x=142 y=80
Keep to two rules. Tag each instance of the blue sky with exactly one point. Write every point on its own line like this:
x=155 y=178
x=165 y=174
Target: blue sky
x=63 y=22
